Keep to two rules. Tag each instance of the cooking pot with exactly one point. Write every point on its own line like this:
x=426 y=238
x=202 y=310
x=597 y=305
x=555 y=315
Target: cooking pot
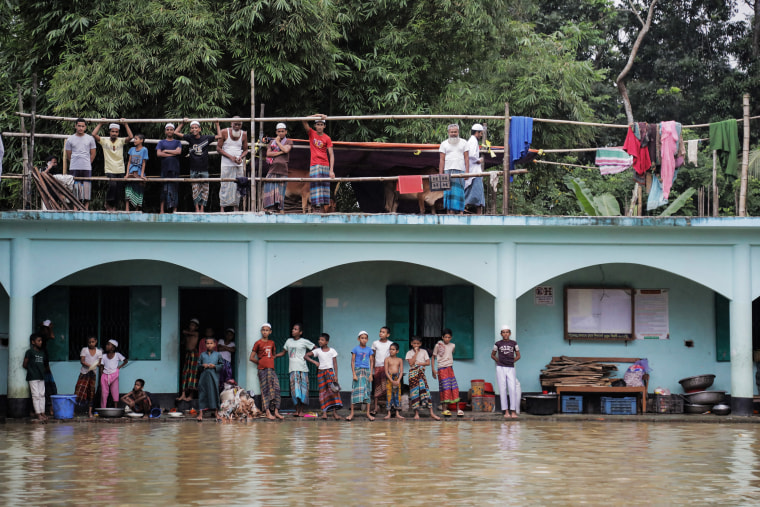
x=706 y=397
x=691 y=408
x=110 y=412
x=697 y=383
x=721 y=409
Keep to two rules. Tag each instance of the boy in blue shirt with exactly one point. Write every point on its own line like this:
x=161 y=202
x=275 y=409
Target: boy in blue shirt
x=362 y=366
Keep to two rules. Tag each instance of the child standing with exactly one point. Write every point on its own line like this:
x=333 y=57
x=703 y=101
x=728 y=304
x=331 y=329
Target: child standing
x=189 y=384
x=394 y=369
x=34 y=364
x=138 y=156
x=110 y=364
x=380 y=348
x=329 y=395
x=362 y=362
x=210 y=365
x=506 y=353
x=137 y=399
x=296 y=348
x=263 y=355
x=447 y=382
x=226 y=348
x=419 y=393
x=90 y=357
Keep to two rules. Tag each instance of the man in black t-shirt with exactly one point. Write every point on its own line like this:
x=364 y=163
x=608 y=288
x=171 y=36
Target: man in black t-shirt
x=199 y=145
x=506 y=353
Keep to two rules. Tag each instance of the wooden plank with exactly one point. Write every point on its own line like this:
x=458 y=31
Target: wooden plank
x=599 y=359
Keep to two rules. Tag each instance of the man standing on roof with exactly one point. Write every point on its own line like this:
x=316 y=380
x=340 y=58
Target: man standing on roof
x=454 y=159
x=199 y=145
x=322 y=162
x=169 y=150
x=233 y=147
x=80 y=152
x=113 y=160
x=473 y=187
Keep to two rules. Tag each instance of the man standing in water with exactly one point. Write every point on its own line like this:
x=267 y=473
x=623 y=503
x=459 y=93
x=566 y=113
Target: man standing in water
x=113 y=160
x=233 y=147
x=454 y=159
x=80 y=152
x=169 y=150
x=322 y=162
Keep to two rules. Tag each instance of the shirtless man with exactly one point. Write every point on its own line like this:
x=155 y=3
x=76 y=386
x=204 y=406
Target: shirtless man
x=394 y=369
x=190 y=366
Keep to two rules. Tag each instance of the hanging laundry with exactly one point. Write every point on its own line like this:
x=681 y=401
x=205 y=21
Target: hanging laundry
x=520 y=138
x=655 y=198
x=692 y=151
x=409 y=184
x=632 y=146
x=680 y=147
x=653 y=133
x=724 y=138
x=669 y=138
x=613 y=160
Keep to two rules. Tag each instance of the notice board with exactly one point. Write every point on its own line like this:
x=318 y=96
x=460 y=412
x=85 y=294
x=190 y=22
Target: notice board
x=599 y=313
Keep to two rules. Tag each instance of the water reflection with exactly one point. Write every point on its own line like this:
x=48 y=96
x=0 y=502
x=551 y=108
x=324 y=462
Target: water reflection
x=362 y=463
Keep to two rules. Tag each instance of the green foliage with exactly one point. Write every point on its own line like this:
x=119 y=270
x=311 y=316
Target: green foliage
x=677 y=204
x=586 y=200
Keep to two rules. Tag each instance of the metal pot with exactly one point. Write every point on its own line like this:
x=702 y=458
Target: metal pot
x=110 y=412
x=721 y=409
x=541 y=404
x=691 y=408
x=706 y=397
x=697 y=383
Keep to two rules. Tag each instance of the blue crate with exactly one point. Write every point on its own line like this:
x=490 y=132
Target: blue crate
x=619 y=406
x=572 y=404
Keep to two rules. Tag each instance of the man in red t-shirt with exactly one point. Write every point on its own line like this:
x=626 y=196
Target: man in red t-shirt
x=263 y=354
x=322 y=162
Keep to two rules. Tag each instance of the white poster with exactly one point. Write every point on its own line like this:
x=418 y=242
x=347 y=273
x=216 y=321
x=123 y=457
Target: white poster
x=652 y=321
x=543 y=295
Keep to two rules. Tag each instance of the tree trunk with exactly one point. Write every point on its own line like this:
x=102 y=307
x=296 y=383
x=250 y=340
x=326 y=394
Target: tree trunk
x=756 y=30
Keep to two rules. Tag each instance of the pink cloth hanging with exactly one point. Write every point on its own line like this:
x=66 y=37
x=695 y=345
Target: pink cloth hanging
x=669 y=136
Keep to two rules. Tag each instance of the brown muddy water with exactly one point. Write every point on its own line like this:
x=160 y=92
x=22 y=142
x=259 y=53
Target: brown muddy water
x=396 y=462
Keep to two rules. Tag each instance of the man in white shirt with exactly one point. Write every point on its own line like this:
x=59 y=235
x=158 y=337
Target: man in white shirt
x=454 y=160
x=473 y=187
x=80 y=152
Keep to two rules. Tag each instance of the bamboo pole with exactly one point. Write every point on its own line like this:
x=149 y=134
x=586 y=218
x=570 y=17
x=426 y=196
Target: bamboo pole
x=505 y=188
x=745 y=160
x=252 y=139
x=260 y=172
x=716 y=196
x=26 y=185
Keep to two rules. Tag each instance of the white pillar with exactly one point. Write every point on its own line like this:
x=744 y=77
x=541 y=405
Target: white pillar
x=255 y=307
x=20 y=327
x=505 y=304
x=742 y=378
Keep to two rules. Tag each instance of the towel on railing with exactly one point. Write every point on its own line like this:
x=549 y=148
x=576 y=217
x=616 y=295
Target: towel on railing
x=409 y=184
x=613 y=160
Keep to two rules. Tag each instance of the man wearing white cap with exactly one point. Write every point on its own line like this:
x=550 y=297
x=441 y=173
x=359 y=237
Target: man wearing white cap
x=233 y=147
x=169 y=150
x=473 y=187
x=278 y=154
x=454 y=159
x=199 y=145
x=506 y=353
x=80 y=152
x=113 y=159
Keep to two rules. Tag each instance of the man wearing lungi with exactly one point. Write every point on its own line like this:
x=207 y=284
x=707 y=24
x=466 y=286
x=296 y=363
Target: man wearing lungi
x=322 y=162
x=473 y=187
x=454 y=159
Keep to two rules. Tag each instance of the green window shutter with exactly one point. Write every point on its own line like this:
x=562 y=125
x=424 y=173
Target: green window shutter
x=53 y=304
x=145 y=323
x=722 y=329
x=278 y=310
x=397 y=316
x=458 y=311
x=311 y=304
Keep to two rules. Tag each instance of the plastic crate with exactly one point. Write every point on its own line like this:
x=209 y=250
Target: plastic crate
x=572 y=404
x=619 y=406
x=665 y=404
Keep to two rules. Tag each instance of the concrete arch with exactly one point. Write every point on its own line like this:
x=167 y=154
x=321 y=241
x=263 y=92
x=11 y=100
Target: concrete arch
x=706 y=265
x=289 y=262
x=227 y=265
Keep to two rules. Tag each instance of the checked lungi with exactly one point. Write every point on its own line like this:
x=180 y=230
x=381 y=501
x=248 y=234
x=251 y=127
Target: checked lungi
x=327 y=397
x=361 y=387
x=379 y=382
x=85 y=389
x=200 y=190
x=299 y=387
x=190 y=371
x=419 y=393
x=453 y=198
x=319 y=190
x=274 y=193
x=270 y=389
x=393 y=392
x=447 y=385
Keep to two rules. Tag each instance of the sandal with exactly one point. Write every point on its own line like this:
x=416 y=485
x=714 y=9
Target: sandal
x=460 y=413
x=446 y=413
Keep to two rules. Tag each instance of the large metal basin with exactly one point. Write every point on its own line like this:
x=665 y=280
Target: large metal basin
x=697 y=383
x=110 y=412
x=706 y=397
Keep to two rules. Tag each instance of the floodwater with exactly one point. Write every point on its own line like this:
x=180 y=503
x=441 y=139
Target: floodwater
x=397 y=462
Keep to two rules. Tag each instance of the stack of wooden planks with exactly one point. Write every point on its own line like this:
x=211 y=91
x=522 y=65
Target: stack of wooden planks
x=53 y=193
x=568 y=371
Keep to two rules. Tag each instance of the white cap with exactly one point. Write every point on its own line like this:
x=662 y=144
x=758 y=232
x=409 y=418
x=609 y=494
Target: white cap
x=114 y=126
x=230 y=330
x=195 y=122
x=168 y=126
x=477 y=127
x=267 y=324
x=46 y=323
x=506 y=328
x=318 y=120
x=281 y=126
x=361 y=333
x=197 y=322
x=113 y=342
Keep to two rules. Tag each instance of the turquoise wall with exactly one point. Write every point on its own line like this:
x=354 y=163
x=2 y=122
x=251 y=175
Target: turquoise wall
x=4 y=321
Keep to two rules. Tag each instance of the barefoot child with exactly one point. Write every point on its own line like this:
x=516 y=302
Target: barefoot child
x=362 y=363
x=34 y=364
x=329 y=395
x=296 y=348
x=394 y=370
x=380 y=348
x=226 y=348
x=210 y=364
x=263 y=355
x=137 y=399
x=90 y=357
x=138 y=157
x=110 y=364
x=419 y=393
x=447 y=383
x=189 y=384
x=506 y=353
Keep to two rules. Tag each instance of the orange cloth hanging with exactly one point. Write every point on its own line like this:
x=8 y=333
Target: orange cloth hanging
x=409 y=184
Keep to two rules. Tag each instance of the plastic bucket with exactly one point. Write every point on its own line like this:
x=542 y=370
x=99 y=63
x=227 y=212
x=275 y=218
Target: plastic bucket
x=478 y=404
x=63 y=405
x=489 y=403
x=478 y=386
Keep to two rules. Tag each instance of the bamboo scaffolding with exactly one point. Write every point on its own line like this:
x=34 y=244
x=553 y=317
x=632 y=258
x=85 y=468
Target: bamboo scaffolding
x=506 y=163
x=745 y=160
